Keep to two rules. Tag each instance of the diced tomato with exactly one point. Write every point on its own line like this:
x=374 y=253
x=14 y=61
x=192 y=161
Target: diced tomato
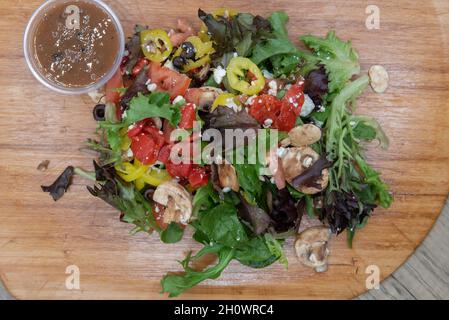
x=168 y=80
x=144 y=148
x=265 y=107
x=294 y=97
x=188 y=116
x=158 y=214
x=112 y=95
x=286 y=119
x=167 y=129
x=156 y=134
x=164 y=154
x=181 y=170
x=136 y=128
x=141 y=63
x=125 y=59
x=198 y=177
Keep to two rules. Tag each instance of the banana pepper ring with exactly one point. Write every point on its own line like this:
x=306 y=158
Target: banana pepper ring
x=141 y=174
x=156 y=44
x=203 y=50
x=244 y=76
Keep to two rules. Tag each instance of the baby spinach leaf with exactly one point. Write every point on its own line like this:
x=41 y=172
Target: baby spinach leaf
x=255 y=253
x=222 y=225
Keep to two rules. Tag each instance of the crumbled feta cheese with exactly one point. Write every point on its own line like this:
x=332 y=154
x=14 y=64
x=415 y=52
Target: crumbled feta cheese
x=250 y=100
x=178 y=99
x=307 y=107
x=219 y=74
x=169 y=65
x=126 y=53
x=321 y=108
x=267 y=74
x=281 y=152
x=226 y=189
x=129 y=153
x=235 y=54
x=288 y=86
x=307 y=162
x=151 y=87
x=273 y=88
x=124 y=114
x=230 y=103
x=267 y=123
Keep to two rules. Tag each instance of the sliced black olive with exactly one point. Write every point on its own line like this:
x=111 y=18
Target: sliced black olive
x=99 y=112
x=188 y=50
x=179 y=62
x=148 y=194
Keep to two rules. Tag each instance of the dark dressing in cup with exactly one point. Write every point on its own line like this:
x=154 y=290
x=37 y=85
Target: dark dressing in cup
x=75 y=43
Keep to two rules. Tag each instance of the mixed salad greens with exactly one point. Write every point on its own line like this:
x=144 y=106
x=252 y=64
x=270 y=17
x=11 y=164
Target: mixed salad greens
x=239 y=71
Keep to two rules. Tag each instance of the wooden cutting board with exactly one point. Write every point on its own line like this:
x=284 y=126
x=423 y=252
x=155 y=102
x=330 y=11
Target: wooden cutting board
x=40 y=238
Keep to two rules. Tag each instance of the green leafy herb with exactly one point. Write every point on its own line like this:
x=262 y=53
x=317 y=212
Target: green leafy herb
x=172 y=234
x=275 y=247
x=156 y=104
x=337 y=56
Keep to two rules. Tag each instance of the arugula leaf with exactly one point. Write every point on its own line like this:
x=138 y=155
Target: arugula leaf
x=177 y=284
x=172 y=234
x=156 y=104
x=375 y=190
x=366 y=128
x=337 y=56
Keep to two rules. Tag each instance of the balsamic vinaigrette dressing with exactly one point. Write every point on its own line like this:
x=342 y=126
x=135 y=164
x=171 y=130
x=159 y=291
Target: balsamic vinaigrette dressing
x=76 y=44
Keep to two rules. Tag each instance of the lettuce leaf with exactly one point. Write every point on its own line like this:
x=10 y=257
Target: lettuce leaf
x=337 y=56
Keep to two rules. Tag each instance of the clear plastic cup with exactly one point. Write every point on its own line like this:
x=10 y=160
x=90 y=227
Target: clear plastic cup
x=33 y=64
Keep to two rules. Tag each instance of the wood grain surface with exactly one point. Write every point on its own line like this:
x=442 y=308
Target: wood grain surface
x=40 y=238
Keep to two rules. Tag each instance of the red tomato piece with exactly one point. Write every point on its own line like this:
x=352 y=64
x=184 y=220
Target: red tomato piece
x=188 y=116
x=286 y=120
x=155 y=134
x=167 y=80
x=164 y=154
x=136 y=128
x=198 y=177
x=112 y=95
x=181 y=170
x=139 y=66
x=145 y=148
x=265 y=107
x=294 y=97
x=167 y=129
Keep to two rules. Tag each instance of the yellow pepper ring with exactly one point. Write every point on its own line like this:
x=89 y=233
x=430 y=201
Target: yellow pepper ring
x=222 y=100
x=156 y=44
x=236 y=73
x=203 y=50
